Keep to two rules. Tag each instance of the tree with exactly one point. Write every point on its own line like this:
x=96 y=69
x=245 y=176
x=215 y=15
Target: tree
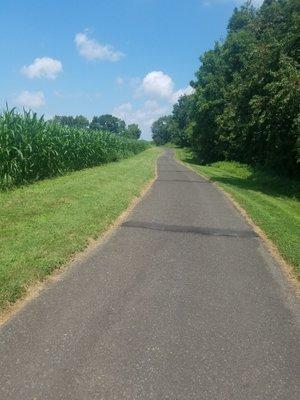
x=209 y=104
x=108 y=123
x=246 y=101
x=67 y=120
x=81 y=122
x=182 y=116
x=162 y=130
x=133 y=131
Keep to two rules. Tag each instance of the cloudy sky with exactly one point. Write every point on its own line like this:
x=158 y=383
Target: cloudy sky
x=130 y=58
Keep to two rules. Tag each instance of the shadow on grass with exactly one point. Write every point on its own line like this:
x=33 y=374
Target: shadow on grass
x=268 y=184
x=257 y=180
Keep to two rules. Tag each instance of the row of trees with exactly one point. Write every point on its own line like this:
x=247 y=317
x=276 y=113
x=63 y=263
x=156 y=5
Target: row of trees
x=106 y=122
x=245 y=106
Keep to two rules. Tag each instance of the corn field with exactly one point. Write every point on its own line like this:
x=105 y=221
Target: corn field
x=32 y=148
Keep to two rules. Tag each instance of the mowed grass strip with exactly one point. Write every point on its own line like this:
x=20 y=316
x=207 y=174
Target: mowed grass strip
x=44 y=223
x=270 y=200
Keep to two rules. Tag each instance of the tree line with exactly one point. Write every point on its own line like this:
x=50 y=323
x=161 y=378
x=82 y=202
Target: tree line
x=106 y=122
x=245 y=105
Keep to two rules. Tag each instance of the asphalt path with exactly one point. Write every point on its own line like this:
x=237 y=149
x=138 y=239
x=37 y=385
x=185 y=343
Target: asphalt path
x=182 y=301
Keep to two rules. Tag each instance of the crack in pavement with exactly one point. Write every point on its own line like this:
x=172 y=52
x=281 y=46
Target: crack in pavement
x=190 y=229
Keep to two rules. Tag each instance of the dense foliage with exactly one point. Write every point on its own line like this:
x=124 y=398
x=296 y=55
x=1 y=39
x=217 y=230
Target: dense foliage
x=162 y=130
x=68 y=120
x=246 y=101
x=33 y=149
x=106 y=122
x=133 y=131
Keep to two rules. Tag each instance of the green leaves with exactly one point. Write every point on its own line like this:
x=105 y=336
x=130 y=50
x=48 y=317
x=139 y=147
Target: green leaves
x=246 y=104
x=33 y=149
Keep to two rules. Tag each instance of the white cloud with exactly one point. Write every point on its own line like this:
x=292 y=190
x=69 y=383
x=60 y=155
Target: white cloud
x=157 y=84
x=181 y=92
x=30 y=100
x=92 y=50
x=158 y=90
x=144 y=115
x=123 y=111
x=44 y=67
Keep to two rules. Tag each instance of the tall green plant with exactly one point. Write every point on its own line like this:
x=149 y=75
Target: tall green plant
x=33 y=149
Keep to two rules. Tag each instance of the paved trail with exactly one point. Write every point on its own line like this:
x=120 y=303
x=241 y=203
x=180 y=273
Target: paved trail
x=181 y=302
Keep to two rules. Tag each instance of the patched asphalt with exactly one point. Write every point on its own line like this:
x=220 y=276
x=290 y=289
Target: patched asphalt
x=181 y=302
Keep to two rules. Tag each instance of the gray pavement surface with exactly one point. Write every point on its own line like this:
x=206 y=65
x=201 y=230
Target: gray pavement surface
x=181 y=302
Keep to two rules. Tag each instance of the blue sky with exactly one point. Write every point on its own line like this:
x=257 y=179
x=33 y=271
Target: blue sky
x=131 y=58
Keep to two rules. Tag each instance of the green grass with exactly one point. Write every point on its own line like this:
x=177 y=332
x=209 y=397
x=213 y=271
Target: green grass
x=270 y=200
x=44 y=223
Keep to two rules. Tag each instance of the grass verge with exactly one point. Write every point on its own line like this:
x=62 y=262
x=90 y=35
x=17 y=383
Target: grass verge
x=271 y=201
x=43 y=224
